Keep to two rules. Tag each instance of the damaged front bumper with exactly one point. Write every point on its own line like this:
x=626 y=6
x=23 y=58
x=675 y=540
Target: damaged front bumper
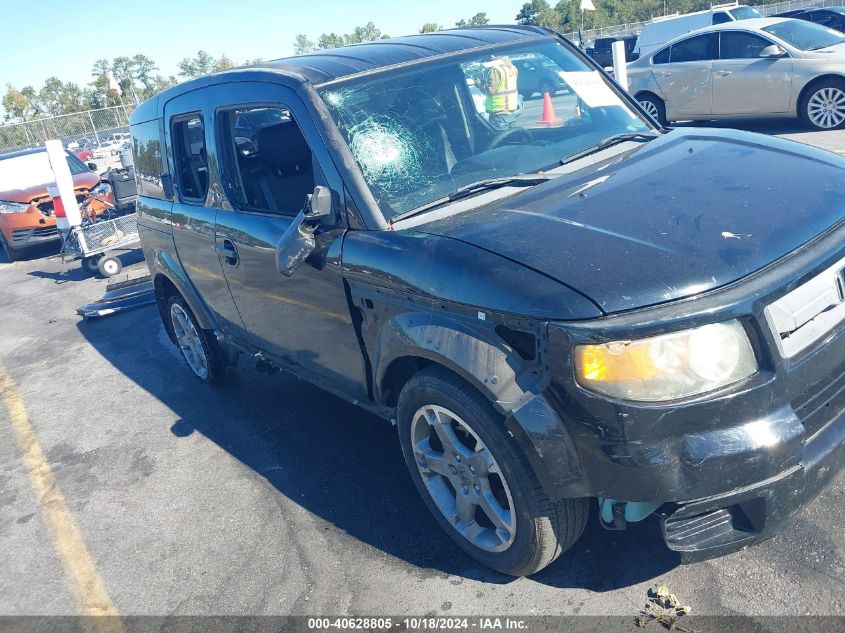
x=724 y=523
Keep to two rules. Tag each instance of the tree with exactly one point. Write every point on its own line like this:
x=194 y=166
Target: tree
x=222 y=63
x=197 y=66
x=330 y=40
x=303 y=44
x=479 y=19
x=530 y=11
x=18 y=103
x=430 y=27
x=143 y=68
x=50 y=96
x=101 y=67
x=366 y=33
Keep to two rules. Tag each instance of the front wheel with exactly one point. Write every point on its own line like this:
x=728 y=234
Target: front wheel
x=12 y=254
x=475 y=479
x=654 y=107
x=823 y=107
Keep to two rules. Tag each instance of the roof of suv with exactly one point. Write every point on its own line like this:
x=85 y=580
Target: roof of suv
x=336 y=63
x=327 y=65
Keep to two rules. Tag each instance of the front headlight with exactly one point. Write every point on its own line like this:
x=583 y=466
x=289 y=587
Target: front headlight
x=103 y=189
x=667 y=367
x=13 y=207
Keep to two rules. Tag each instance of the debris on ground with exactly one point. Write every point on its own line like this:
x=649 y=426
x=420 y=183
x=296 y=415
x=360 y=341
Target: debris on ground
x=121 y=295
x=664 y=608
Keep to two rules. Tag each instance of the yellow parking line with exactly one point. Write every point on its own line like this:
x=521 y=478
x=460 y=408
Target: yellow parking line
x=87 y=587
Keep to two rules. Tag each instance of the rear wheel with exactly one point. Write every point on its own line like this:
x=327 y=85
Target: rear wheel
x=654 y=107
x=823 y=107
x=475 y=479
x=198 y=347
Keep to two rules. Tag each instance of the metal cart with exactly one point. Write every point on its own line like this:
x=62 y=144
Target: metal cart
x=95 y=242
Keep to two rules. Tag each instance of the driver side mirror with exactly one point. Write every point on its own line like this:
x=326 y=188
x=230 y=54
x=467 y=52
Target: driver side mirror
x=298 y=242
x=92 y=166
x=772 y=51
x=318 y=205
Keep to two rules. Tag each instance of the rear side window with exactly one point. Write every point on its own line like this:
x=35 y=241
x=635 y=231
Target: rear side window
x=738 y=45
x=721 y=18
x=695 y=49
x=190 y=156
x=269 y=166
x=146 y=147
x=662 y=57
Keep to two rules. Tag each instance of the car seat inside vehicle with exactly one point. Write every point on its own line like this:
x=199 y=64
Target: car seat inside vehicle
x=279 y=173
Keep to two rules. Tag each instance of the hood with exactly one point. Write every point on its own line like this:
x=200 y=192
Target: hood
x=686 y=213
x=837 y=51
x=84 y=180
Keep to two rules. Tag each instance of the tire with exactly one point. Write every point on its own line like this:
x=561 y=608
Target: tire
x=202 y=354
x=823 y=105
x=532 y=529
x=109 y=266
x=545 y=86
x=13 y=254
x=654 y=107
x=89 y=264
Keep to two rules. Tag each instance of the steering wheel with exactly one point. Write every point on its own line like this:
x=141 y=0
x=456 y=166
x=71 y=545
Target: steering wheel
x=506 y=134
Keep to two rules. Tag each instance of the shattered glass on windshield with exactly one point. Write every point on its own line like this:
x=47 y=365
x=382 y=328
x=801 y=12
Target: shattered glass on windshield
x=421 y=132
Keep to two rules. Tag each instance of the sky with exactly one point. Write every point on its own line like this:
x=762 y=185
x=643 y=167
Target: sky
x=67 y=36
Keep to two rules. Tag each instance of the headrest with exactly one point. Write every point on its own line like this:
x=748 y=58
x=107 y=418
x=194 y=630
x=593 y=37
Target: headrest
x=283 y=147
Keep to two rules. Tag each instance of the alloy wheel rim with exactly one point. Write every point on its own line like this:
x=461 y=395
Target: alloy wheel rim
x=110 y=267
x=650 y=109
x=826 y=108
x=463 y=479
x=189 y=341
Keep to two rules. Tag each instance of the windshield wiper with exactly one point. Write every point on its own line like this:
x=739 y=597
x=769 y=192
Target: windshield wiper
x=608 y=142
x=523 y=180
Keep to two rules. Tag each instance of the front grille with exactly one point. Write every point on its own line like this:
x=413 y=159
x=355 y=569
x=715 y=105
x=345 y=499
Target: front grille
x=46 y=207
x=820 y=404
x=22 y=236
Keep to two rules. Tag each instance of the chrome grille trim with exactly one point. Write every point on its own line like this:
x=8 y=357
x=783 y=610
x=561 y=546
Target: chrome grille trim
x=808 y=313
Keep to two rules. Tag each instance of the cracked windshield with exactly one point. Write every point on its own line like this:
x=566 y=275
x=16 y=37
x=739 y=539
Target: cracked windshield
x=421 y=134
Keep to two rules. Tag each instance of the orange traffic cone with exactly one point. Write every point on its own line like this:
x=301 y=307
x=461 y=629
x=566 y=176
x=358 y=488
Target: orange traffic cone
x=549 y=117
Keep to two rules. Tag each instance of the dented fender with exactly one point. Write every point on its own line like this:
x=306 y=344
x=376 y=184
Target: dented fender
x=513 y=384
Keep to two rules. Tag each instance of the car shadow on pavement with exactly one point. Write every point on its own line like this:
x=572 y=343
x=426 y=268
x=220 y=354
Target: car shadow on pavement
x=74 y=272
x=339 y=462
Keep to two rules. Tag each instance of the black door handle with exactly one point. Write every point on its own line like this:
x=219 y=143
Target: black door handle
x=229 y=252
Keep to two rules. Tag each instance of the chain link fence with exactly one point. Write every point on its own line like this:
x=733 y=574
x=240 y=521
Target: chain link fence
x=634 y=28
x=91 y=128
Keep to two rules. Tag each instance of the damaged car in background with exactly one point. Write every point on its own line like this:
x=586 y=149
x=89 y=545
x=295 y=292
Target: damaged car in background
x=553 y=303
x=26 y=209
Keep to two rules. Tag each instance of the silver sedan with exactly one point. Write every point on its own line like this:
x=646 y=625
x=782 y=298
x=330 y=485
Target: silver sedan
x=767 y=67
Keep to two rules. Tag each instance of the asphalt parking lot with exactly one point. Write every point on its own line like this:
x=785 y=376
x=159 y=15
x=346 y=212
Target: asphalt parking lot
x=268 y=496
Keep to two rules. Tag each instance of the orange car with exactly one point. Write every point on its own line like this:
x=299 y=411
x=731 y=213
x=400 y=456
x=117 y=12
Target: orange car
x=26 y=209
